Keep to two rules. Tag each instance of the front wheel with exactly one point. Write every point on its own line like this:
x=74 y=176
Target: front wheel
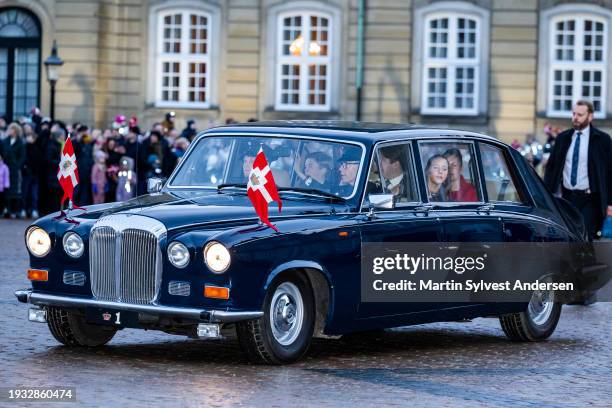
x=283 y=334
x=536 y=323
x=71 y=329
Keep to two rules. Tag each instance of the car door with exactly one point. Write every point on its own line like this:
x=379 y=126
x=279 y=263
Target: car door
x=408 y=221
x=532 y=229
x=465 y=215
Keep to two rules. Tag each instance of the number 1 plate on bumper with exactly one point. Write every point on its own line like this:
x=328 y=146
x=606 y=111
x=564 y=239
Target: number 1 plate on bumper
x=112 y=317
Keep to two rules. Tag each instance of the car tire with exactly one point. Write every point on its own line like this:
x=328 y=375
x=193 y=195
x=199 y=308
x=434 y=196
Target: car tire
x=284 y=332
x=537 y=322
x=71 y=329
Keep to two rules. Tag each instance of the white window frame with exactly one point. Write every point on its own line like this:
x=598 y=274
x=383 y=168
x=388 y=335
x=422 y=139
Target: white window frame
x=421 y=62
x=451 y=63
x=303 y=61
x=548 y=19
x=159 y=57
x=578 y=65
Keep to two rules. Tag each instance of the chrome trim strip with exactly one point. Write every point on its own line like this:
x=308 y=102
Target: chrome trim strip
x=123 y=221
x=220 y=316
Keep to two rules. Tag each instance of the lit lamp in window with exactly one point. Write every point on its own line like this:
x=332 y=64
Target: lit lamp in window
x=296 y=46
x=53 y=64
x=314 y=49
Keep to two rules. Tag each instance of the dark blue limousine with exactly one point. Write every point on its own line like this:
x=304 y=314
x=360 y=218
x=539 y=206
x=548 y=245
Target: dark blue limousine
x=192 y=257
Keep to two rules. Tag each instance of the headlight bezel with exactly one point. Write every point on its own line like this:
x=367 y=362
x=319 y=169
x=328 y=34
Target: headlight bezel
x=170 y=259
x=67 y=236
x=29 y=233
x=207 y=248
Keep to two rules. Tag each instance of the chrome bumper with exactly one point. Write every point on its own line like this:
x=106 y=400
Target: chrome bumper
x=207 y=315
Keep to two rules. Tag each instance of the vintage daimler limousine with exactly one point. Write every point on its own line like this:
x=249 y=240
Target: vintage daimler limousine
x=192 y=258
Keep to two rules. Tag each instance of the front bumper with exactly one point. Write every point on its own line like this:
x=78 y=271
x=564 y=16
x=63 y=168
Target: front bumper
x=205 y=315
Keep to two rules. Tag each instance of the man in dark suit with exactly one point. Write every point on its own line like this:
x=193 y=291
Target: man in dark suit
x=580 y=168
x=392 y=165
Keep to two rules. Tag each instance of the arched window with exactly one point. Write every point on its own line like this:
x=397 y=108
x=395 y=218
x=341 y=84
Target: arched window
x=19 y=62
x=451 y=59
x=183 y=68
x=304 y=48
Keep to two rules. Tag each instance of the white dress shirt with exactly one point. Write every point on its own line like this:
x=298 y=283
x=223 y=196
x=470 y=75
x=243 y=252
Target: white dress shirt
x=582 y=180
x=394 y=182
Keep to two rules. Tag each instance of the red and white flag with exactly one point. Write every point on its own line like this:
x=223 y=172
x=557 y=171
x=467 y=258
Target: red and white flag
x=68 y=174
x=261 y=188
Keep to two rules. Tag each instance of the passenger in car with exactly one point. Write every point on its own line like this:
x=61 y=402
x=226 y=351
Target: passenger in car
x=349 y=166
x=393 y=171
x=281 y=176
x=459 y=189
x=317 y=166
x=436 y=172
x=247 y=163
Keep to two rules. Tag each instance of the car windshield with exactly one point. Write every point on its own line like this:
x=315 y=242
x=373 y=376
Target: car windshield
x=298 y=165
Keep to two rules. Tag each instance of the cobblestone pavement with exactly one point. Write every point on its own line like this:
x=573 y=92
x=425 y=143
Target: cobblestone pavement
x=441 y=365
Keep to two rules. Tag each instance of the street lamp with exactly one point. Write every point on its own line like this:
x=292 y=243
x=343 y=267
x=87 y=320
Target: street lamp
x=52 y=67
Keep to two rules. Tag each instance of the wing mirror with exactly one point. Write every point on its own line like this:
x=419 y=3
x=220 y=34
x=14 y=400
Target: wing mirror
x=383 y=201
x=154 y=185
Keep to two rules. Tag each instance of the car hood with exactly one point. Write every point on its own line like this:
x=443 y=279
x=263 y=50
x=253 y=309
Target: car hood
x=178 y=209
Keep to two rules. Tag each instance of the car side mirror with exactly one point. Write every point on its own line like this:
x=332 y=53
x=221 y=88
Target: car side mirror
x=383 y=201
x=154 y=185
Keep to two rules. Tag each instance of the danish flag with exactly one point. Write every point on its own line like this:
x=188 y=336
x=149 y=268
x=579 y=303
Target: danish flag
x=68 y=174
x=261 y=188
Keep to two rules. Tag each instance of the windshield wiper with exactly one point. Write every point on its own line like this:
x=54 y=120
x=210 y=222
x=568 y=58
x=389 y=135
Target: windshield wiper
x=229 y=185
x=312 y=191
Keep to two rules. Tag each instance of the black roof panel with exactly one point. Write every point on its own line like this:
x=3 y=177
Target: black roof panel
x=369 y=127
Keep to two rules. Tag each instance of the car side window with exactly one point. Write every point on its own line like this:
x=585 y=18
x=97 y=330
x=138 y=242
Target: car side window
x=499 y=181
x=391 y=172
x=450 y=172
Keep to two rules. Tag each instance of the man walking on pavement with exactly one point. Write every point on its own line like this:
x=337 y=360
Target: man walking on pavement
x=580 y=168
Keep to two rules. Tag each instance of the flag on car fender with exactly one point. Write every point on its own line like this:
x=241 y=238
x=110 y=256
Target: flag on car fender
x=68 y=173
x=261 y=188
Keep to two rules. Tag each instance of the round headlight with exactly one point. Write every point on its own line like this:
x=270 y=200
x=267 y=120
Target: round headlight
x=217 y=257
x=38 y=241
x=73 y=245
x=178 y=254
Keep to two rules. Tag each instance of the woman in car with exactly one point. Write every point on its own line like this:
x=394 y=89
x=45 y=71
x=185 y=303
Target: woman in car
x=437 y=173
x=459 y=189
x=317 y=166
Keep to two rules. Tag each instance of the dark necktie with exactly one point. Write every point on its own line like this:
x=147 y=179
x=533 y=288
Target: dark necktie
x=575 y=159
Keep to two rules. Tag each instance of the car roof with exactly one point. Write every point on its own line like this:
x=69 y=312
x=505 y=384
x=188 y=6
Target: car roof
x=364 y=132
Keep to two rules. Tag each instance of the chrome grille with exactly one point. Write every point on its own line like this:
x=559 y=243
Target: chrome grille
x=74 y=278
x=138 y=250
x=178 y=288
x=102 y=248
x=125 y=262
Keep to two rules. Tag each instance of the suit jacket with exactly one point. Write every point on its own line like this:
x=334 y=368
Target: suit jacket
x=599 y=165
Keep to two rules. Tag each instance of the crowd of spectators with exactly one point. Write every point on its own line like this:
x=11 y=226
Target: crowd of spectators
x=113 y=163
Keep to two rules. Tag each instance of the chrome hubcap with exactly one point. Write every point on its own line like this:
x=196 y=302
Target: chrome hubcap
x=286 y=313
x=541 y=306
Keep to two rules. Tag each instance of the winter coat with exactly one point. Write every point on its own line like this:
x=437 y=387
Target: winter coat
x=14 y=157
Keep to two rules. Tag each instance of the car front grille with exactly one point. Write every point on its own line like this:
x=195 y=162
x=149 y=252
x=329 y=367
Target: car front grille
x=125 y=262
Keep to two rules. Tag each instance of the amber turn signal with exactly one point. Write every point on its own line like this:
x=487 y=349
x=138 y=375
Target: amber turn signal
x=38 y=275
x=216 y=292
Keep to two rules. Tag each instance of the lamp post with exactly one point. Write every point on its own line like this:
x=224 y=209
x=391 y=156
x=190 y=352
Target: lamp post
x=52 y=67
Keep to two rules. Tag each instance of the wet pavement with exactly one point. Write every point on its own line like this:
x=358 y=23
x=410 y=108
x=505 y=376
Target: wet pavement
x=436 y=365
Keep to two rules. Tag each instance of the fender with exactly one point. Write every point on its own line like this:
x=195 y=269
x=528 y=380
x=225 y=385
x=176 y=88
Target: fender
x=321 y=320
